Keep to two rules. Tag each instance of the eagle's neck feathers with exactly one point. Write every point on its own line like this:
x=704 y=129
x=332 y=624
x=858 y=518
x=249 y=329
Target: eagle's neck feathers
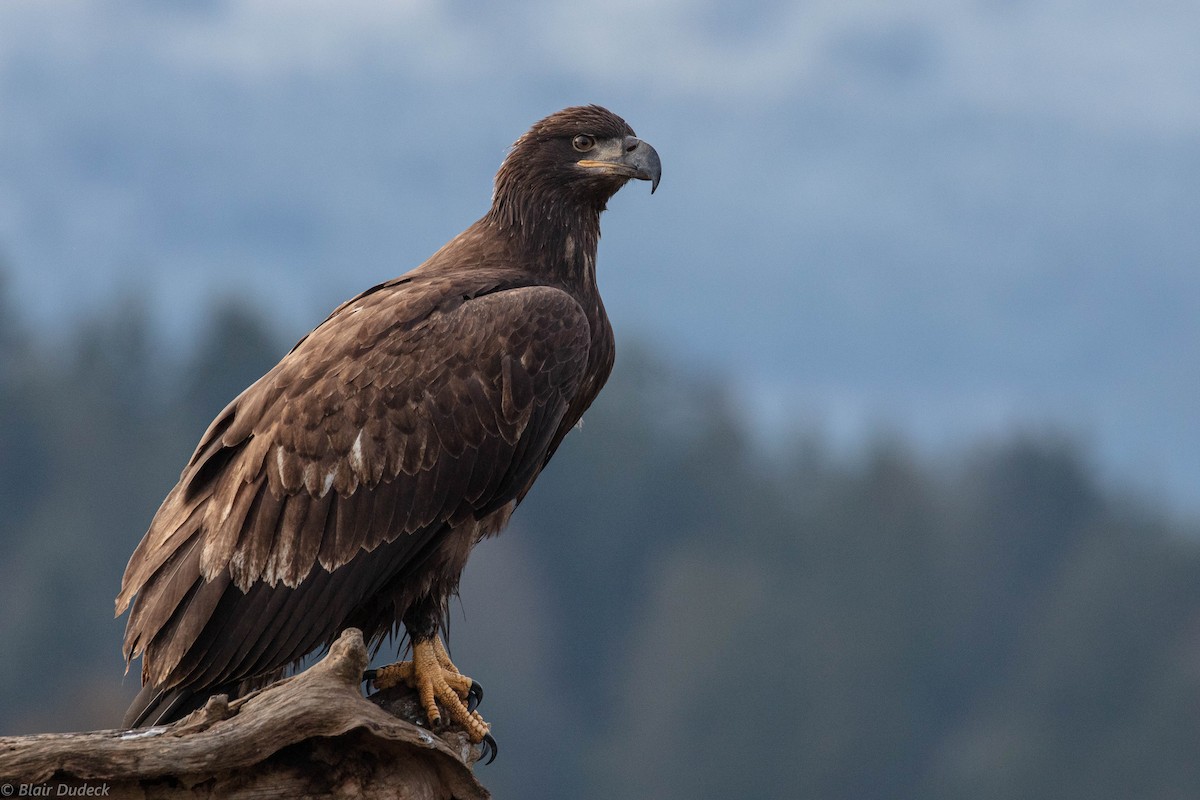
x=555 y=237
x=551 y=218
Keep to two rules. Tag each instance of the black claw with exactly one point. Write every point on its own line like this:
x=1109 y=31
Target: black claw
x=368 y=676
x=474 y=696
x=489 y=746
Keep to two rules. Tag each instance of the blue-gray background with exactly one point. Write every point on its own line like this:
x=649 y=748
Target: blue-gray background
x=942 y=218
x=926 y=223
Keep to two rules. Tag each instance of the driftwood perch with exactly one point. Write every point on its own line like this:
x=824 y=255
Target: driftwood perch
x=311 y=735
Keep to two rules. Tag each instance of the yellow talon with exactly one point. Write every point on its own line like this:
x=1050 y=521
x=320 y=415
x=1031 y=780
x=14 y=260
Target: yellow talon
x=436 y=679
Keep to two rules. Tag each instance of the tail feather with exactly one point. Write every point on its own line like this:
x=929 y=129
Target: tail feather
x=154 y=706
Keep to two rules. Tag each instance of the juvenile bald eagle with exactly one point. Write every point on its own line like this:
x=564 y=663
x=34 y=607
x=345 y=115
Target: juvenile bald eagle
x=348 y=485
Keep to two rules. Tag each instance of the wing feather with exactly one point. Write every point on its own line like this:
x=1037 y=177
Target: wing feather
x=319 y=485
x=290 y=527
x=310 y=537
x=276 y=607
x=173 y=641
x=172 y=581
x=488 y=458
x=329 y=554
x=223 y=523
x=262 y=537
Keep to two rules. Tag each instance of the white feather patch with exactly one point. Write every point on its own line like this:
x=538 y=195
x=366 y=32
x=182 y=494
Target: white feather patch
x=356 y=456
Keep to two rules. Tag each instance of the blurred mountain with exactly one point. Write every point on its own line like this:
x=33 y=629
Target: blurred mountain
x=675 y=612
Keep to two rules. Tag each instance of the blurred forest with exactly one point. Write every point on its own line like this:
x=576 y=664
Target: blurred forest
x=675 y=612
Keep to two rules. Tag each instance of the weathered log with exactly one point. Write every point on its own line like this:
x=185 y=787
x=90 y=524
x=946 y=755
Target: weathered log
x=311 y=735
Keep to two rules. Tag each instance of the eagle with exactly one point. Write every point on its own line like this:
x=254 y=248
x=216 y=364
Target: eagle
x=348 y=485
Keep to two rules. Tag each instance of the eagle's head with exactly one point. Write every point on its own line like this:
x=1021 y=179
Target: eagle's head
x=580 y=155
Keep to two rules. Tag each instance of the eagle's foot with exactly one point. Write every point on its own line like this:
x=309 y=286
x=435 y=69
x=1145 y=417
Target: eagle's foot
x=437 y=680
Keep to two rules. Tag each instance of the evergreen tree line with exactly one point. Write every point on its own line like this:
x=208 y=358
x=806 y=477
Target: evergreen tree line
x=674 y=612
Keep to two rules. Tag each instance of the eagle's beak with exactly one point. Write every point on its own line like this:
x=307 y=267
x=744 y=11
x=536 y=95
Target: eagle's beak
x=636 y=159
x=644 y=159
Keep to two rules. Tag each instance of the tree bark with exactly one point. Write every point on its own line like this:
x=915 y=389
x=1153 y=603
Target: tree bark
x=311 y=735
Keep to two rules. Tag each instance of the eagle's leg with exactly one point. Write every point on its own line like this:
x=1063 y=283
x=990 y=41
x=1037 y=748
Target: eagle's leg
x=436 y=679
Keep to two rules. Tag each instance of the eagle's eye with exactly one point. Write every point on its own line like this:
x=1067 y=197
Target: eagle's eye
x=583 y=142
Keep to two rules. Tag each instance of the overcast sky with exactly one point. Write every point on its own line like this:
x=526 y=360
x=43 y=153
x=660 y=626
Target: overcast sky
x=942 y=218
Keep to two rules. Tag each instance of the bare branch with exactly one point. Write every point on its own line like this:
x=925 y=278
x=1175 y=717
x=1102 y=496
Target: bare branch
x=310 y=735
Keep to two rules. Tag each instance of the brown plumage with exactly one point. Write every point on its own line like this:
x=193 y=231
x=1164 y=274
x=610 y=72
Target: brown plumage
x=347 y=486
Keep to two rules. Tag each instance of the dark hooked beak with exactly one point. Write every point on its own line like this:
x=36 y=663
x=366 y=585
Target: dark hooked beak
x=644 y=159
x=636 y=159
